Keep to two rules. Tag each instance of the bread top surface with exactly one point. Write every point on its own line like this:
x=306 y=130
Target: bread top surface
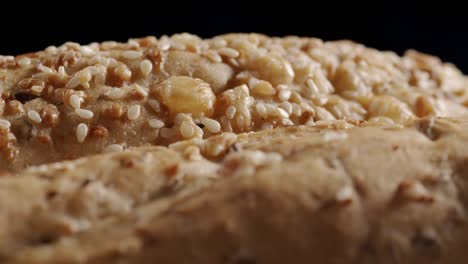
x=71 y=101
x=373 y=194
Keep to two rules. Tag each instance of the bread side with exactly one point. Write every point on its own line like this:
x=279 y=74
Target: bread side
x=71 y=101
x=362 y=195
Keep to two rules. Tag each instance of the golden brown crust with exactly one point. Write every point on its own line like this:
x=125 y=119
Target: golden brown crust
x=71 y=101
x=372 y=194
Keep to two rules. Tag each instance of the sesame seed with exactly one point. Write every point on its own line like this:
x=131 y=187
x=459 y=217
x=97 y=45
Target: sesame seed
x=113 y=148
x=133 y=112
x=230 y=112
x=4 y=124
x=228 y=52
x=115 y=93
x=287 y=106
x=75 y=101
x=314 y=90
x=81 y=132
x=37 y=89
x=146 y=67
x=34 y=116
x=198 y=132
x=282 y=113
x=219 y=43
x=24 y=62
x=345 y=194
x=261 y=109
x=155 y=105
x=61 y=73
x=131 y=54
x=296 y=110
x=140 y=90
x=186 y=129
x=73 y=82
x=44 y=68
x=213 y=56
x=212 y=125
x=155 y=123
x=284 y=95
x=164 y=43
x=84 y=113
x=87 y=51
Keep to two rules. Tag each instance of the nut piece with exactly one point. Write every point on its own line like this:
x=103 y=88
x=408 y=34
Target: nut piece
x=274 y=69
x=181 y=94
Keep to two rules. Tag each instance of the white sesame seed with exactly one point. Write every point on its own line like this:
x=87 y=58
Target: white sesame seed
x=212 y=125
x=219 y=43
x=213 y=56
x=155 y=123
x=4 y=124
x=34 y=116
x=261 y=109
x=24 y=61
x=133 y=112
x=87 y=51
x=287 y=106
x=115 y=93
x=75 y=101
x=155 y=105
x=73 y=82
x=44 y=68
x=84 y=113
x=37 y=89
x=164 y=43
x=113 y=148
x=230 y=112
x=314 y=90
x=146 y=67
x=186 y=129
x=85 y=78
x=284 y=95
x=140 y=90
x=344 y=194
x=271 y=110
x=131 y=54
x=198 y=132
x=61 y=72
x=282 y=112
x=296 y=110
x=234 y=62
x=81 y=132
x=228 y=52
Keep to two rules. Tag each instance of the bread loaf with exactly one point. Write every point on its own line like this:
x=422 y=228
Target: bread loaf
x=242 y=148
x=71 y=101
x=302 y=194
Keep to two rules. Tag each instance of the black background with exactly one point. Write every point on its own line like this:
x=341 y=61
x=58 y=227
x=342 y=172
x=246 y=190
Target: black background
x=388 y=26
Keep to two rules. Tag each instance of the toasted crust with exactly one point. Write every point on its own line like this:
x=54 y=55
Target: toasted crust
x=371 y=194
x=71 y=101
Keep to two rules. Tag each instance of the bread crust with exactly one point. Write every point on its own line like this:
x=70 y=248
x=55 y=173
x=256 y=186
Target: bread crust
x=71 y=101
x=370 y=194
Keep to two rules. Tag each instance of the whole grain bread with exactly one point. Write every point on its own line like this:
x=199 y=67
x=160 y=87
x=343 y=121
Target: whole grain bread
x=368 y=194
x=241 y=148
x=71 y=101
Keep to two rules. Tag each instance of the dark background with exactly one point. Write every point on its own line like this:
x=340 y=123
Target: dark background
x=434 y=30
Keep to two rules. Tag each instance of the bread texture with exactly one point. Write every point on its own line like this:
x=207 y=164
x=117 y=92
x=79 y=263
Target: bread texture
x=71 y=101
x=368 y=194
x=238 y=149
